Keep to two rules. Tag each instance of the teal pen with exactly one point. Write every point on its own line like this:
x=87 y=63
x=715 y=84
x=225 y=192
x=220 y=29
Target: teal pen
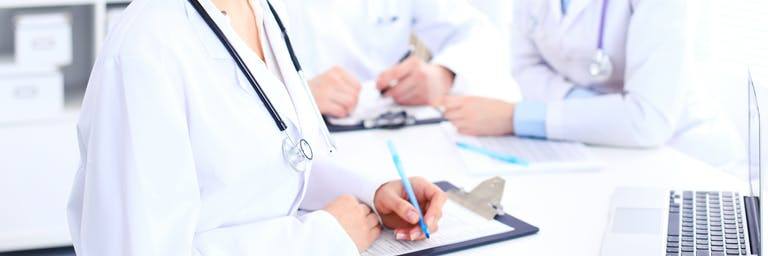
x=407 y=186
x=501 y=157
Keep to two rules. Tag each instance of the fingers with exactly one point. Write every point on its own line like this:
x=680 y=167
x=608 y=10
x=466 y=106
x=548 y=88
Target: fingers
x=348 y=81
x=405 y=210
x=452 y=102
x=391 y=76
x=371 y=220
x=345 y=100
x=334 y=109
x=406 y=92
x=411 y=233
x=374 y=233
x=434 y=198
x=435 y=211
x=364 y=208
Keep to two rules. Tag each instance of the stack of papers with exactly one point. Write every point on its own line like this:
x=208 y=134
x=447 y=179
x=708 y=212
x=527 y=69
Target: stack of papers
x=457 y=225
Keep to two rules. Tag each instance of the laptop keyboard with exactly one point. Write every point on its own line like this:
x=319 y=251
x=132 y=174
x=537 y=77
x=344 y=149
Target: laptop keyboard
x=705 y=223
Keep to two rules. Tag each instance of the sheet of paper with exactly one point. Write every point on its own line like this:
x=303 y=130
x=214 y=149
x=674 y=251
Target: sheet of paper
x=533 y=150
x=542 y=155
x=371 y=104
x=435 y=156
x=457 y=225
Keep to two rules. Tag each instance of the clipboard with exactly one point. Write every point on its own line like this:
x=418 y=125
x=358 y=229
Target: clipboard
x=521 y=228
x=406 y=121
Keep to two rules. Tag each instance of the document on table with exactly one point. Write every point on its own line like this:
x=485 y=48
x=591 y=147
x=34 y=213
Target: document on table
x=457 y=225
x=542 y=156
x=371 y=104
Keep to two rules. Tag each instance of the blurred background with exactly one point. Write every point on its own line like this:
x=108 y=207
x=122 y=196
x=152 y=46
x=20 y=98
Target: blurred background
x=47 y=48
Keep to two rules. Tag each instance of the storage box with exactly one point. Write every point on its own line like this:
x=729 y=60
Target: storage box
x=43 y=39
x=30 y=93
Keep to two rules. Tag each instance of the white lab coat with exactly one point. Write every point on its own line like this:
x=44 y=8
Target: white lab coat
x=367 y=37
x=648 y=101
x=180 y=157
x=498 y=12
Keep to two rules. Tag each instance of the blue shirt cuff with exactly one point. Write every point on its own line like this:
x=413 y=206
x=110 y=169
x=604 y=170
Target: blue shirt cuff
x=530 y=119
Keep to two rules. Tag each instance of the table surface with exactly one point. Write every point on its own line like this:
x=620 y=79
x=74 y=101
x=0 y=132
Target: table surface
x=571 y=209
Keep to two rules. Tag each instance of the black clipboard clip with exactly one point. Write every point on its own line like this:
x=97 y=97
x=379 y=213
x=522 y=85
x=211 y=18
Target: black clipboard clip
x=485 y=199
x=389 y=120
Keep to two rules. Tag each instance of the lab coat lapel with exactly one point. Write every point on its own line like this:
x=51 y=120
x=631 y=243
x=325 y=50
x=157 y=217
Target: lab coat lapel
x=575 y=10
x=211 y=43
x=291 y=78
x=279 y=49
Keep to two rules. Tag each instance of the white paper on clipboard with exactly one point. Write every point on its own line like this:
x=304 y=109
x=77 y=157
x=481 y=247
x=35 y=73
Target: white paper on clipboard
x=371 y=104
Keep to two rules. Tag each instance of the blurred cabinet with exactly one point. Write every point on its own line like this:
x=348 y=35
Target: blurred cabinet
x=39 y=161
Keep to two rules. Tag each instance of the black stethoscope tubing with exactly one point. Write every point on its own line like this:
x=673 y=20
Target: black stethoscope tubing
x=241 y=63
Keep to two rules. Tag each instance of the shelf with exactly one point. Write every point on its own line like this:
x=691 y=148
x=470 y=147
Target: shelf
x=118 y=1
x=42 y=3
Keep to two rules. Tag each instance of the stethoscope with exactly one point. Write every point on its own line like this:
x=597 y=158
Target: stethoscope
x=296 y=150
x=601 y=67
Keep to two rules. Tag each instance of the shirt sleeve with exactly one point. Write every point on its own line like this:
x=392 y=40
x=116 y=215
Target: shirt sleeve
x=329 y=180
x=530 y=119
x=137 y=191
x=531 y=116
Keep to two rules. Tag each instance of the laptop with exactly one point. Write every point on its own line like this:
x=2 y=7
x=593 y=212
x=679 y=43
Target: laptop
x=691 y=223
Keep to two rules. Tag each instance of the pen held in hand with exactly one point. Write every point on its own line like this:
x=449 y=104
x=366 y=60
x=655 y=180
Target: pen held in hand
x=498 y=156
x=407 y=187
x=392 y=83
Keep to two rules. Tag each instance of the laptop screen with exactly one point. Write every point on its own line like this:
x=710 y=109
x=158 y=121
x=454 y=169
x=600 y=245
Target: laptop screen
x=754 y=138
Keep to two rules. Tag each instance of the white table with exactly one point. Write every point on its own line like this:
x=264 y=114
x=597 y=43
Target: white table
x=571 y=209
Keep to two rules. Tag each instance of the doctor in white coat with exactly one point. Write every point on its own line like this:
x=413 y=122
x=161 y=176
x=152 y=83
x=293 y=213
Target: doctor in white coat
x=180 y=156
x=642 y=98
x=348 y=43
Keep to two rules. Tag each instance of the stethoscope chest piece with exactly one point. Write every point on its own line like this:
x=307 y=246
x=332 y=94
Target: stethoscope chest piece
x=297 y=152
x=601 y=67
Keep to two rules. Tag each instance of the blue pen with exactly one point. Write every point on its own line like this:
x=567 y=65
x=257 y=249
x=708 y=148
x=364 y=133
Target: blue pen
x=407 y=186
x=501 y=157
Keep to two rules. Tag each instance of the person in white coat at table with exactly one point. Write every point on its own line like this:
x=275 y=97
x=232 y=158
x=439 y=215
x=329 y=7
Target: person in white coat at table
x=348 y=43
x=604 y=72
x=199 y=137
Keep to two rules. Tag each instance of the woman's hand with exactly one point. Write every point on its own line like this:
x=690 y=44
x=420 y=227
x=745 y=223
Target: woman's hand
x=357 y=219
x=415 y=82
x=479 y=116
x=397 y=212
x=336 y=92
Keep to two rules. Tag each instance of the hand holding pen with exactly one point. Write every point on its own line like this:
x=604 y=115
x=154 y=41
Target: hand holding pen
x=397 y=213
x=415 y=82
